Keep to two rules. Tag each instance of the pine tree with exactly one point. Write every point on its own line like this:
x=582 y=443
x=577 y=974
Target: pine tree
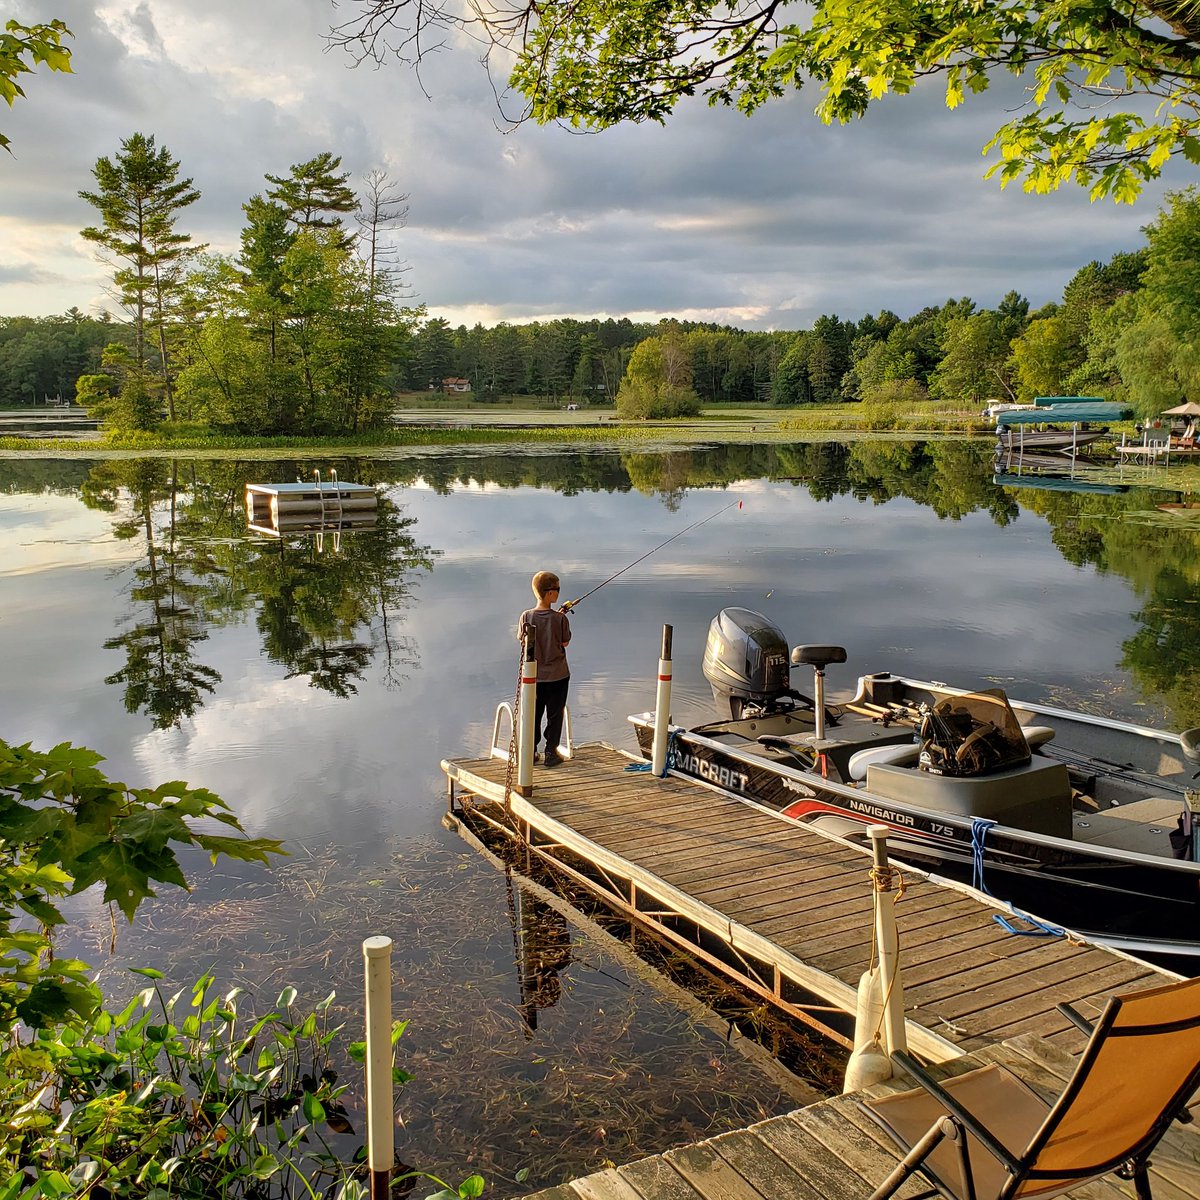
x=312 y=191
x=139 y=196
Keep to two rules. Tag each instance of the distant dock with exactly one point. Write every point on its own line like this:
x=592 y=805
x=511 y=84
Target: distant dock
x=278 y=508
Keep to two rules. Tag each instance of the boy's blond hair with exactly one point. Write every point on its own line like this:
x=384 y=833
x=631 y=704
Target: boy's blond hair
x=543 y=583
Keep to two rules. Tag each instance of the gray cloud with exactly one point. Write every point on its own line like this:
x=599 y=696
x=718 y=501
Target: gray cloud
x=764 y=222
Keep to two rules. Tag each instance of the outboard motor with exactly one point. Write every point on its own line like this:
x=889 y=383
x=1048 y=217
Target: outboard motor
x=746 y=661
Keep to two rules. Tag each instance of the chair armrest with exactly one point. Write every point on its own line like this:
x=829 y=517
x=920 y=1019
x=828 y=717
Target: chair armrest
x=964 y=1116
x=1076 y=1018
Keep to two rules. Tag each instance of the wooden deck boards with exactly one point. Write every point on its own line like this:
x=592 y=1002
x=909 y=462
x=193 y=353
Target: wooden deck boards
x=811 y=897
x=764 y=881
x=834 y=1149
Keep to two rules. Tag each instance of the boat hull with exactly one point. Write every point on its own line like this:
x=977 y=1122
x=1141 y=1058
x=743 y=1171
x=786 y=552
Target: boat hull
x=1017 y=439
x=1149 y=904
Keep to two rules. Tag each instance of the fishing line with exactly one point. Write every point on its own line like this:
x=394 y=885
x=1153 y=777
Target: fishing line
x=570 y=604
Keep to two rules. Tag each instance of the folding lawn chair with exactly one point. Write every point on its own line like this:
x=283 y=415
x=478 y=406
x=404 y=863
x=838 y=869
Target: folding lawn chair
x=986 y=1135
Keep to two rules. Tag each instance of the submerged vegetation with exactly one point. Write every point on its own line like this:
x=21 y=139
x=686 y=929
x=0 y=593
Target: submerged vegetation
x=165 y=1097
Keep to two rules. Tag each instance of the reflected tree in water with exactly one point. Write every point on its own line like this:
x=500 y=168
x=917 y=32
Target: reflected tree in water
x=162 y=675
x=328 y=616
x=324 y=612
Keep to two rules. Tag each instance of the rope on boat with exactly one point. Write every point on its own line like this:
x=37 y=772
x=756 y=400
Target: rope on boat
x=668 y=762
x=887 y=881
x=979 y=832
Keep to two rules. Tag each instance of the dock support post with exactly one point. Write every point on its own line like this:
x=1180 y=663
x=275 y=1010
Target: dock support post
x=662 y=707
x=381 y=1147
x=887 y=944
x=879 y=1030
x=528 y=711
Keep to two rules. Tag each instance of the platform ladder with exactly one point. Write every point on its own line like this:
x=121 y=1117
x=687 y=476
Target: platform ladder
x=335 y=505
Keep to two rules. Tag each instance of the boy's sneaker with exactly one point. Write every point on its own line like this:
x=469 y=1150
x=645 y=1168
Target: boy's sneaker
x=537 y=756
x=552 y=760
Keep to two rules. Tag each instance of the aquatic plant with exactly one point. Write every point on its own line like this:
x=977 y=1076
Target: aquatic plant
x=158 y=1099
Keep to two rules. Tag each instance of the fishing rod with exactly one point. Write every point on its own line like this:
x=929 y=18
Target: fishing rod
x=570 y=604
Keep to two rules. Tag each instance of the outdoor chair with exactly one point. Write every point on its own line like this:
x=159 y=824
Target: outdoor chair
x=986 y=1135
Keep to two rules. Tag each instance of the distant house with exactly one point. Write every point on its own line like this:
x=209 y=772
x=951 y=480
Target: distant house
x=456 y=385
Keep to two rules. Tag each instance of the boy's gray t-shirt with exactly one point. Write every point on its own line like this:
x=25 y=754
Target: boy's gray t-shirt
x=551 y=633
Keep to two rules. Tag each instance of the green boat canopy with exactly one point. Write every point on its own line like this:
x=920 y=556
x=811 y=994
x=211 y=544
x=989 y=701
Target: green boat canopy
x=1075 y=413
x=1052 y=483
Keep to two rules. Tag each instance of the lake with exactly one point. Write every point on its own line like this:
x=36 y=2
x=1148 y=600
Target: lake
x=315 y=684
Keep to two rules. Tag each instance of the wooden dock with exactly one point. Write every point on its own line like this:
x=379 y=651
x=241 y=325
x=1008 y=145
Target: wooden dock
x=834 y=1151
x=787 y=912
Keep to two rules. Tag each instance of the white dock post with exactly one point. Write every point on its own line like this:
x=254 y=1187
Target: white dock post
x=528 y=711
x=880 y=1007
x=381 y=1146
x=887 y=944
x=662 y=707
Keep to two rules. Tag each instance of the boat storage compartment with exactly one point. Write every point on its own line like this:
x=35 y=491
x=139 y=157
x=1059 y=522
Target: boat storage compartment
x=1035 y=797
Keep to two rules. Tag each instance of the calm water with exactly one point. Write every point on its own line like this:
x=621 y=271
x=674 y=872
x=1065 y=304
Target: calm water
x=316 y=687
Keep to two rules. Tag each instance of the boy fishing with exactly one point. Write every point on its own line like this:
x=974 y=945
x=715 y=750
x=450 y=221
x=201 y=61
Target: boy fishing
x=551 y=635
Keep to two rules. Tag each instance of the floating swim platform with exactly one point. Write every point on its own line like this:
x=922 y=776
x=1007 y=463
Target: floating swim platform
x=278 y=508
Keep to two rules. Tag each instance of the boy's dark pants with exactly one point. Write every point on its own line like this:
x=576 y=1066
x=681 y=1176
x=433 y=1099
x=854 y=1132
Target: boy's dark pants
x=551 y=700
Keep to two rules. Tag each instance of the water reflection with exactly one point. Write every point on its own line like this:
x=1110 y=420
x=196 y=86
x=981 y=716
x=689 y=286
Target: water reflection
x=196 y=568
x=542 y=940
x=325 y=609
x=317 y=690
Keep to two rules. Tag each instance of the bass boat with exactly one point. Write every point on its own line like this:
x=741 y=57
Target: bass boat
x=1077 y=820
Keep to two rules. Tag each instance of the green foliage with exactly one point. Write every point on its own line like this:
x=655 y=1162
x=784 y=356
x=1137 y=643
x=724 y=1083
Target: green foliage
x=169 y=1096
x=602 y=63
x=975 y=356
x=314 y=190
x=139 y=197
x=658 y=381
x=64 y=827
x=41 y=357
x=24 y=47
x=1043 y=356
x=185 y=1095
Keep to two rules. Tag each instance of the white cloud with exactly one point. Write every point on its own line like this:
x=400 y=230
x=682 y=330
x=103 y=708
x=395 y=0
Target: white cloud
x=762 y=222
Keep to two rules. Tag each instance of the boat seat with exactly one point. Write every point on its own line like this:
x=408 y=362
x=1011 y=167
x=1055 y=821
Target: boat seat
x=899 y=754
x=1037 y=735
x=1035 y=796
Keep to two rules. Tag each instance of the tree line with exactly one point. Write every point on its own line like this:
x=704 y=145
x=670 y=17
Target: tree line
x=305 y=331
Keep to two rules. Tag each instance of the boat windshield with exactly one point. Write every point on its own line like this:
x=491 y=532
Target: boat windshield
x=974 y=734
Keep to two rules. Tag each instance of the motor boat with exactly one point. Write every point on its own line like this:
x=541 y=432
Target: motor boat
x=1081 y=822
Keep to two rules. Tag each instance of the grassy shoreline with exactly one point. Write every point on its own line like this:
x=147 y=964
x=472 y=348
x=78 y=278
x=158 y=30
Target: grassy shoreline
x=466 y=423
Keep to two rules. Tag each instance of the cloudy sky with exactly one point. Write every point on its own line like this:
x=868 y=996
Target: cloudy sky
x=764 y=223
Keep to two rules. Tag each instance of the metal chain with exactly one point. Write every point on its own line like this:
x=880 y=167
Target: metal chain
x=512 y=741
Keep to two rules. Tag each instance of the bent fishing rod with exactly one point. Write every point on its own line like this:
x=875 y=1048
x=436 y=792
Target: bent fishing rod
x=570 y=604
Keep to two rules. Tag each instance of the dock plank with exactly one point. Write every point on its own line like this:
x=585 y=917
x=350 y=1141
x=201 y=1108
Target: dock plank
x=711 y=1175
x=755 y=1162
x=781 y=891
x=655 y=1179
x=608 y=1184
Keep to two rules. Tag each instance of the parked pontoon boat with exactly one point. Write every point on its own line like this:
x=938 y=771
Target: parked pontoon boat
x=1079 y=820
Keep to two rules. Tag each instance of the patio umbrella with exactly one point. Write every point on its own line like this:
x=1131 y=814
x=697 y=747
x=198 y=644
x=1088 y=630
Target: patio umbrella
x=1190 y=409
